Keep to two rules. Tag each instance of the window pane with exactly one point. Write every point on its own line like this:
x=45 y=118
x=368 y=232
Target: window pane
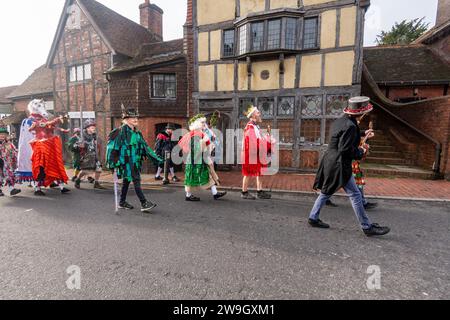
x=87 y=72
x=310 y=131
x=291 y=33
x=286 y=128
x=170 y=86
x=310 y=33
x=73 y=74
x=158 y=86
x=312 y=106
x=273 y=41
x=336 y=104
x=286 y=106
x=266 y=106
x=243 y=39
x=228 y=43
x=257 y=33
x=244 y=105
x=80 y=76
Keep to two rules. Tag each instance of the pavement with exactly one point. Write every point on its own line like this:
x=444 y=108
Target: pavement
x=227 y=249
x=292 y=184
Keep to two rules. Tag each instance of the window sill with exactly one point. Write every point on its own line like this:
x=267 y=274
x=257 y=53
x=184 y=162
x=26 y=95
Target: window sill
x=271 y=52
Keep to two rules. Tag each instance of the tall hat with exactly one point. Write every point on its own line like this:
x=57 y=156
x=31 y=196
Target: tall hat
x=358 y=106
x=129 y=112
x=170 y=126
x=3 y=127
x=89 y=123
x=250 y=111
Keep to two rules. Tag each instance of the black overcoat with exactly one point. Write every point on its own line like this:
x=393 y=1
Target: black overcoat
x=335 y=169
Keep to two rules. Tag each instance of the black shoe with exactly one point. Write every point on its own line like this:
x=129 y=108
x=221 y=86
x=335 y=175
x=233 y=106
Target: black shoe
x=39 y=193
x=318 y=224
x=98 y=186
x=126 y=206
x=175 y=179
x=370 y=205
x=219 y=195
x=147 y=206
x=65 y=190
x=264 y=195
x=78 y=184
x=15 y=192
x=1 y=193
x=54 y=185
x=330 y=203
x=91 y=180
x=247 y=196
x=158 y=178
x=166 y=182
x=376 y=230
x=192 y=198
x=74 y=179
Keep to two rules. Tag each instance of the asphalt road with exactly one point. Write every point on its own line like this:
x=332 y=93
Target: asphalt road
x=228 y=249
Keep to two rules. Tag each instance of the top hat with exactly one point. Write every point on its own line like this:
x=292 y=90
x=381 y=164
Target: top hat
x=358 y=106
x=170 y=126
x=129 y=113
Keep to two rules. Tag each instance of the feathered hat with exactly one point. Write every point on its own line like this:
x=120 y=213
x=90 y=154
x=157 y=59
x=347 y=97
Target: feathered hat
x=89 y=123
x=129 y=112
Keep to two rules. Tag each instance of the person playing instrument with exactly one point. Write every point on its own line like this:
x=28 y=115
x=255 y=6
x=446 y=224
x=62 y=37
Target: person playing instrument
x=72 y=145
x=196 y=146
x=8 y=162
x=335 y=171
x=165 y=144
x=126 y=152
x=256 y=148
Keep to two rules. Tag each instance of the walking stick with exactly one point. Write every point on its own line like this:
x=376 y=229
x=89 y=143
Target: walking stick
x=116 y=191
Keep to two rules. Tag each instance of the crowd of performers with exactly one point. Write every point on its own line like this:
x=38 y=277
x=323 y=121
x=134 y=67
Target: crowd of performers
x=39 y=158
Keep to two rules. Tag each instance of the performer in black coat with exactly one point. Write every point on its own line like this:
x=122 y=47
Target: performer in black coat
x=165 y=144
x=335 y=171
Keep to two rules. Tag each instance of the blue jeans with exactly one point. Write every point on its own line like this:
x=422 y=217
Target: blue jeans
x=356 y=199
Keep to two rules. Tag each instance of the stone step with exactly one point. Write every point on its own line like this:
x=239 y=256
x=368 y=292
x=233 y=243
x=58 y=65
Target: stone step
x=385 y=154
x=375 y=170
x=395 y=161
x=380 y=148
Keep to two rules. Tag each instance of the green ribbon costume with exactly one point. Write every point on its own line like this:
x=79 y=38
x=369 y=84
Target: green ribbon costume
x=126 y=151
x=196 y=171
x=76 y=156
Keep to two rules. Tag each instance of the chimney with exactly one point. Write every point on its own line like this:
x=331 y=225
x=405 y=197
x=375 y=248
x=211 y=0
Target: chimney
x=152 y=18
x=443 y=12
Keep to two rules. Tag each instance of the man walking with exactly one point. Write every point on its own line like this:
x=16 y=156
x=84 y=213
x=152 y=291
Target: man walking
x=335 y=171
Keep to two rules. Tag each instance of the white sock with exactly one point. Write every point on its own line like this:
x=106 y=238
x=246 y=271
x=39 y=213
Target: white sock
x=214 y=190
x=188 y=194
x=158 y=174
x=61 y=186
x=172 y=172
x=10 y=188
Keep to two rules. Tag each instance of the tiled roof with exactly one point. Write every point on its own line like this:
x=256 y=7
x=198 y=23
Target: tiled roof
x=153 y=54
x=4 y=93
x=40 y=82
x=412 y=63
x=124 y=35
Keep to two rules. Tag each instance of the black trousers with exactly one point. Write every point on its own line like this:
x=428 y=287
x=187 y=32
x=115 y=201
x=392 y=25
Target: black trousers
x=137 y=188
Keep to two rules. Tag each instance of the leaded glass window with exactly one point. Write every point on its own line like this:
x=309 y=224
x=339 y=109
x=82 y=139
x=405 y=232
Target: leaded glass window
x=274 y=34
x=286 y=106
x=244 y=104
x=257 y=36
x=310 y=33
x=312 y=106
x=291 y=33
x=243 y=39
x=311 y=131
x=228 y=43
x=336 y=104
x=164 y=86
x=266 y=106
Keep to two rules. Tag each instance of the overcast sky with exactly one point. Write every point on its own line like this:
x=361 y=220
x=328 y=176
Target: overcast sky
x=27 y=27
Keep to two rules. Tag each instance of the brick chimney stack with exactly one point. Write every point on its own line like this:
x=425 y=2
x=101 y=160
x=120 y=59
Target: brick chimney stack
x=152 y=18
x=443 y=12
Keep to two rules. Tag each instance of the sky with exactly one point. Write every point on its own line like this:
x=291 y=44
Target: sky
x=27 y=27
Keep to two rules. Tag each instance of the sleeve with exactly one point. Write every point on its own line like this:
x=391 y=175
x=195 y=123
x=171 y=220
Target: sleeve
x=347 y=145
x=113 y=150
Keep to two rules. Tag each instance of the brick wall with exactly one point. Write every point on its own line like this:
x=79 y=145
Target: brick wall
x=424 y=92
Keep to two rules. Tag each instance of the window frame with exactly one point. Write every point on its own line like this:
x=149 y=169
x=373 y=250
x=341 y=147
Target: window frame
x=234 y=43
x=280 y=34
x=318 y=30
x=75 y=68
x=152 y=86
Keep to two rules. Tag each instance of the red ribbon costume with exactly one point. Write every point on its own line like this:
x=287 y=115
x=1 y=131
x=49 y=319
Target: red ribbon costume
x=47 y=160
x=255 y=151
